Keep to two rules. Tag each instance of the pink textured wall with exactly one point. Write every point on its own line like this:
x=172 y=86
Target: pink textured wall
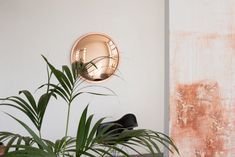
x=202 y=77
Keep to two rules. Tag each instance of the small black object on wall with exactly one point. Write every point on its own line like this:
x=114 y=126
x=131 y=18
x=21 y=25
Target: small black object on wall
x=128 y=121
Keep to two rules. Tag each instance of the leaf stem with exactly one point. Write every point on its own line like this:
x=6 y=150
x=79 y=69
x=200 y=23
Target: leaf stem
x=67 y=127
x=40 y=135
x=67 y=122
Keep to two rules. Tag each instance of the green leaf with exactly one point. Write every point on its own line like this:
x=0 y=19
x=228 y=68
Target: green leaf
x=68 y=73
x=87 y=129
x=9 y=144
x=10 y=139
x=27 y=151
x=118 y=150
x=80 y=132
x=93 y=132
x=30 y=98
x=22 y=103
x=59 y=91
x=42 y=105
x=60 y=77
x=34 y=135
x=28 y=113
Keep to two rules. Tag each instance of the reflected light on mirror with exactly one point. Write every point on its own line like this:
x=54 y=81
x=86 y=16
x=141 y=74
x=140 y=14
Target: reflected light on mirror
x=99 y=49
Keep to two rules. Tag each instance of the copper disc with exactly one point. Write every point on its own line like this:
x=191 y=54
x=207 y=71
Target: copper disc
x=99 y=49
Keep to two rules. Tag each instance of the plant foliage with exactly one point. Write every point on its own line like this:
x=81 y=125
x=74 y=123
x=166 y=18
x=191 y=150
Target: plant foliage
x=88 y=142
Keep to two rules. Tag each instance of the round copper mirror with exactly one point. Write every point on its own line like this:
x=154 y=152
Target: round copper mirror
x=99 y=50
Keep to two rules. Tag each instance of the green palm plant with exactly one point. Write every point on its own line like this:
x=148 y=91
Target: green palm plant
x=34 y=111
x=70 y=83
x=87 y=142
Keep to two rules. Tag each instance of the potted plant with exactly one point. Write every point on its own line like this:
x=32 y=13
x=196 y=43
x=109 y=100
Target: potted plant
x=87 y=142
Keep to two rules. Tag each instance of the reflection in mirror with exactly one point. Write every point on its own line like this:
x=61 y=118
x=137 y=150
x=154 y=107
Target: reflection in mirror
x=101 y=51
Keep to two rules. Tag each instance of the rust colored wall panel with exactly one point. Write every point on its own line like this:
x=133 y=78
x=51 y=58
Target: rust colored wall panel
x=202 y=77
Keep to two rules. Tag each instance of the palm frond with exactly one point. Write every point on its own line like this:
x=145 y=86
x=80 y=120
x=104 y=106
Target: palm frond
x=34 y=111
x=43 y=149
x=88 y=140
x=11 y=139
x=28 y=151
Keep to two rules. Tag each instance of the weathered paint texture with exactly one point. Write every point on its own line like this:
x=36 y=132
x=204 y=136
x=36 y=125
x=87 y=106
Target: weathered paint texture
x=202 y=77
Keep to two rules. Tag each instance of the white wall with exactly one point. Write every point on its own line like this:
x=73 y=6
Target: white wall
x=29 y=28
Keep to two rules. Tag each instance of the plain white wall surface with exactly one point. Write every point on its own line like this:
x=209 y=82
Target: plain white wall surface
x=29 y=28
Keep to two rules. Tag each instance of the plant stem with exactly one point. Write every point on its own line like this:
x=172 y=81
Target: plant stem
x=67 y=127
x=40 y=135
x=67 y=123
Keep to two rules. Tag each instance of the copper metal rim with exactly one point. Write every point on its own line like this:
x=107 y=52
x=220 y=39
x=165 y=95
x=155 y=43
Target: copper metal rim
x=101 y=50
